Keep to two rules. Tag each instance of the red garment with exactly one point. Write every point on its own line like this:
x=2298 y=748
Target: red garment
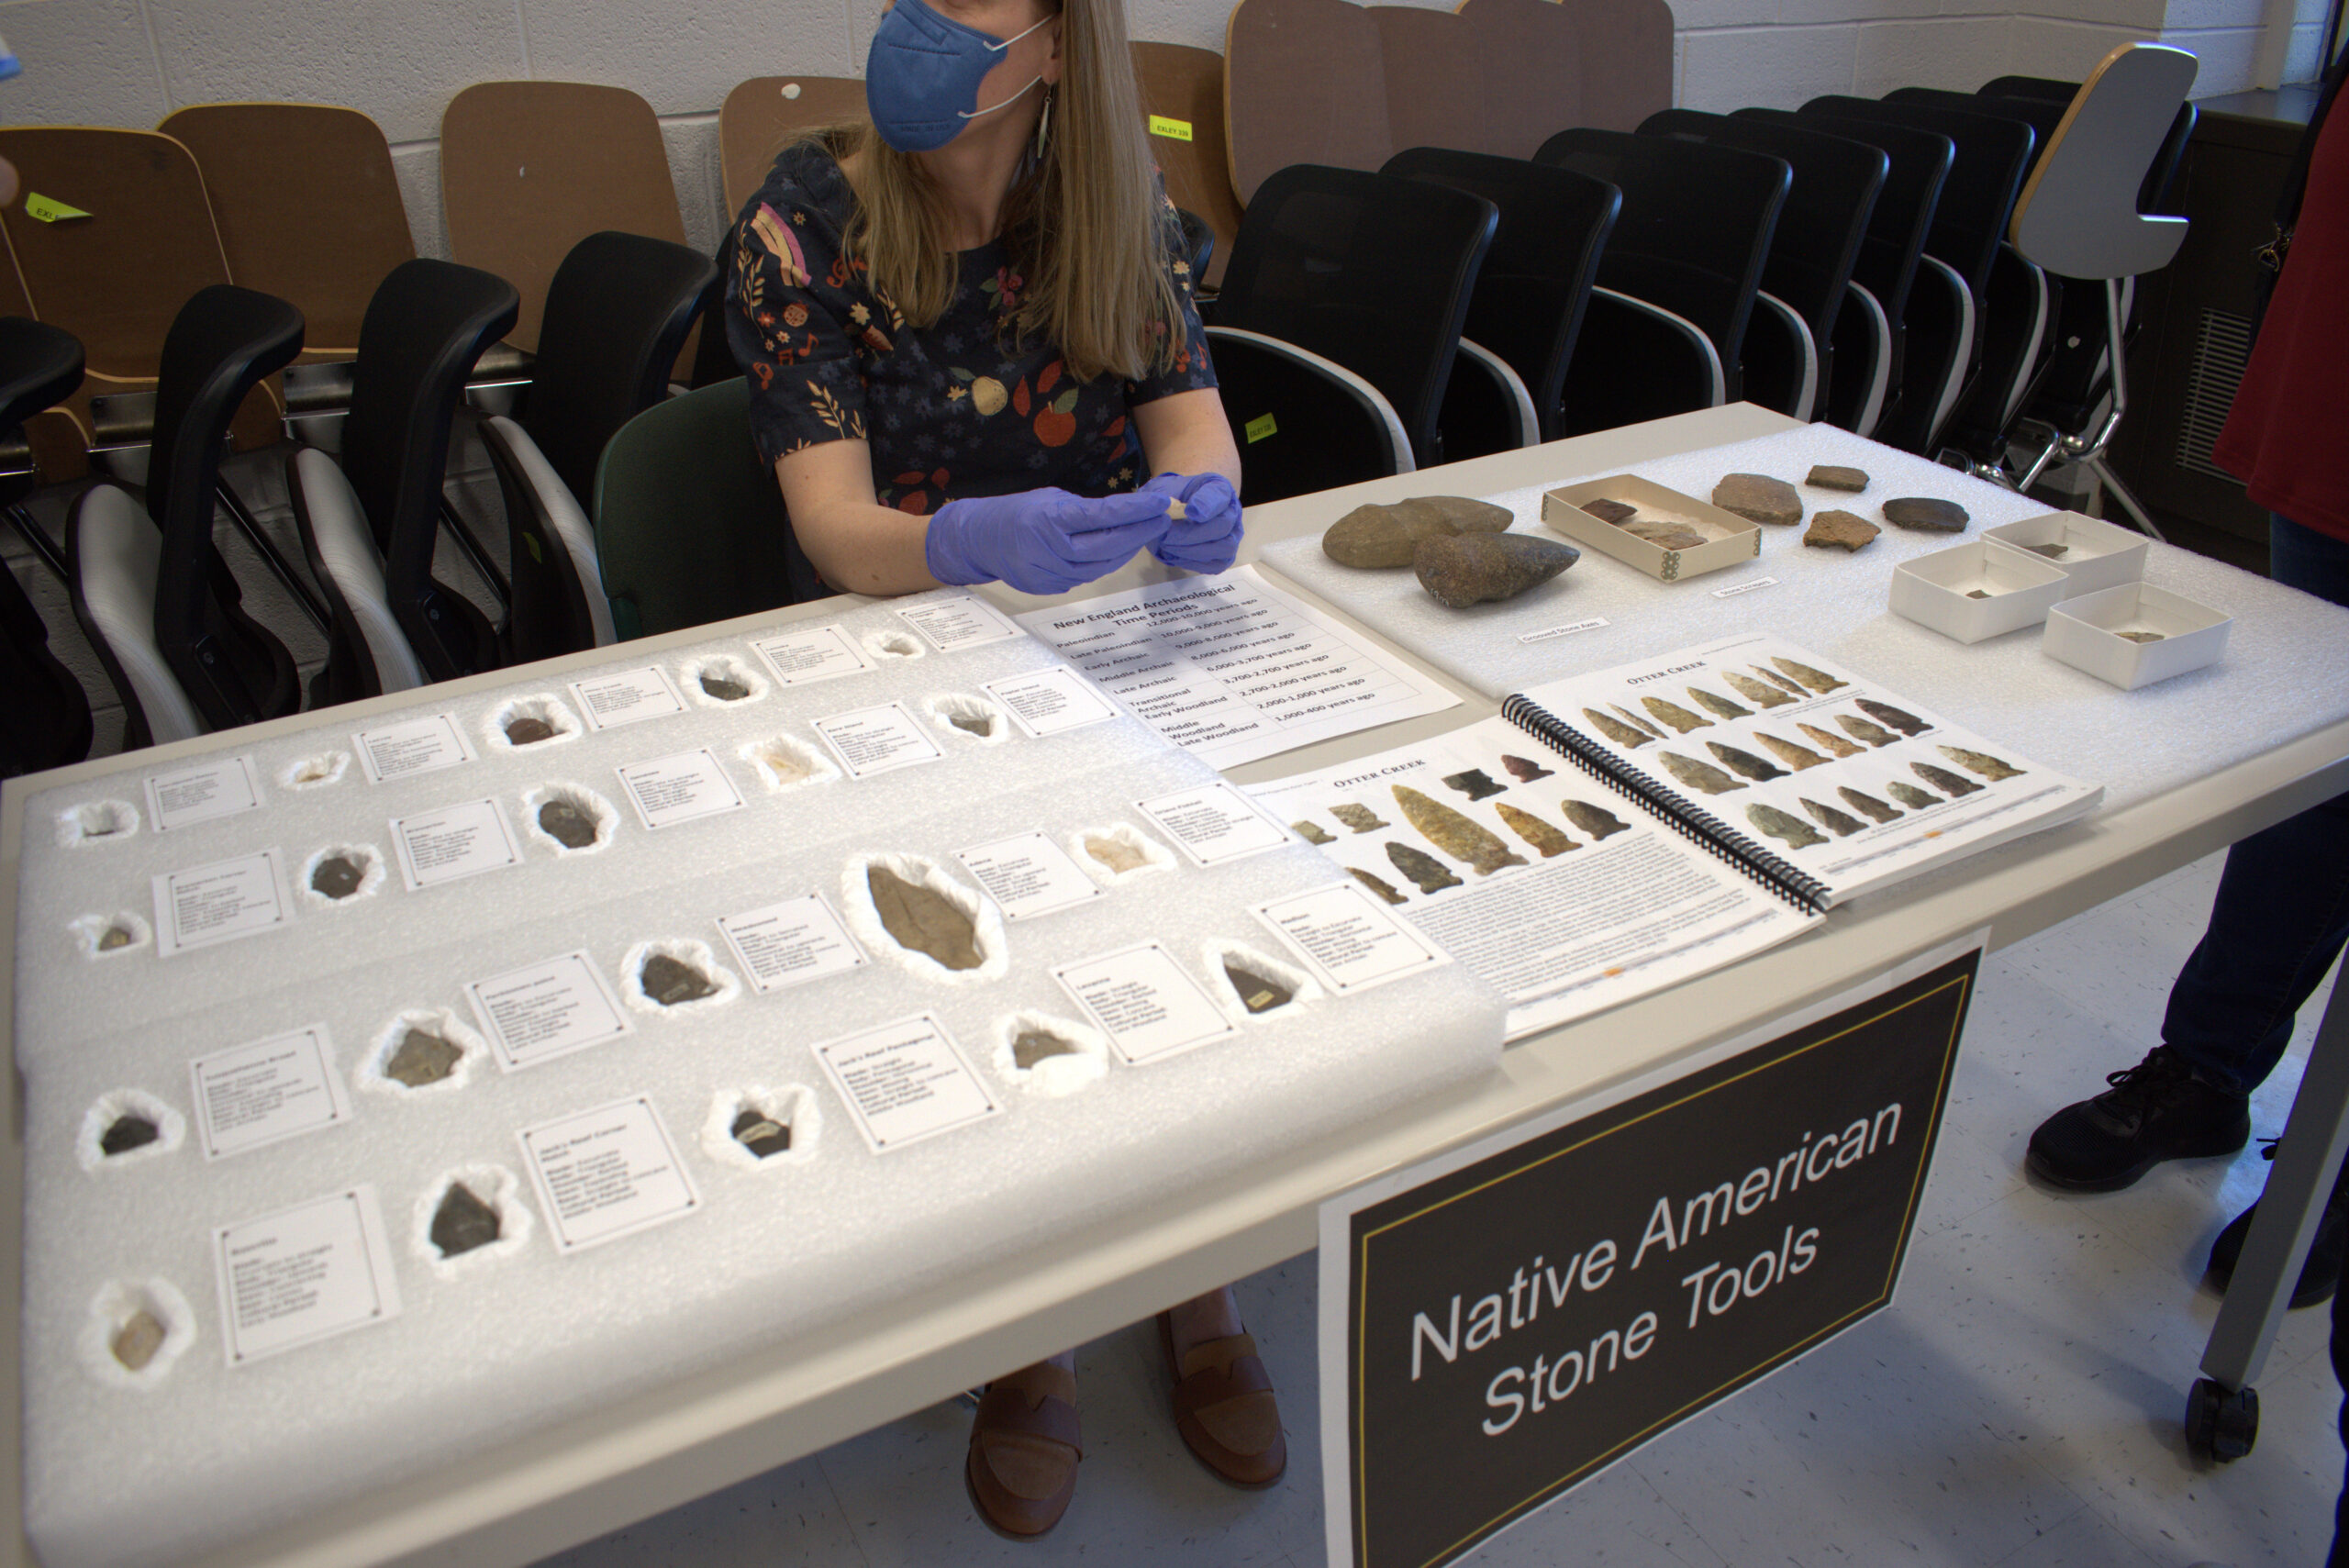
x=2288 y=436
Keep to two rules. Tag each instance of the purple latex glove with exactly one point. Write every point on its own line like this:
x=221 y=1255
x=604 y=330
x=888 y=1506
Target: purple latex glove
x=1039 y=541
x=1208 y=538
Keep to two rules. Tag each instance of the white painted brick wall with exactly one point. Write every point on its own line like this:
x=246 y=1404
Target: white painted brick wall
x=131 y=62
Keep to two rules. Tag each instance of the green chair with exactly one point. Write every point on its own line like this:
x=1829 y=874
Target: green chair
x=689 y=525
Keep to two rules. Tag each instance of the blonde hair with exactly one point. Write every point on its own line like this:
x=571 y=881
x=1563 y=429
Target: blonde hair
x=1084 y=224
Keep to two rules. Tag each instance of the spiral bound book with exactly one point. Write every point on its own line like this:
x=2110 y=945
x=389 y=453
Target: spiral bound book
x=1615 y=833
x=1817 y=783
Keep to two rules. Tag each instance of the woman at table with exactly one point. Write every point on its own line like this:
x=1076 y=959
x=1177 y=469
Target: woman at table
x=973 y=356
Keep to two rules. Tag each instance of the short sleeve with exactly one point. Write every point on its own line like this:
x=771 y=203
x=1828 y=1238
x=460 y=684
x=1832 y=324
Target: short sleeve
x=798 y=318
x=1192 y=369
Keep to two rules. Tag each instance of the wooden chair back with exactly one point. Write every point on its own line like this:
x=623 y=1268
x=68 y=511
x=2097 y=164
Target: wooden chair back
x=1531 y=54
x=1304 y=81
x=307 y=207
x=761 y=113
x=529 y=169
x=1182 y=103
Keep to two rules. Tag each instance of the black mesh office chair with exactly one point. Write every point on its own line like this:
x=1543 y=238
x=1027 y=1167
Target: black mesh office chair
x=1990 y=156
x=1531 y=291
x=205 y=663
x=1872 y=329
x=616 y=316
x=1369 y=273
x=1692 y=237
x=427 y=324
x=46 y=722
x=1811 y=254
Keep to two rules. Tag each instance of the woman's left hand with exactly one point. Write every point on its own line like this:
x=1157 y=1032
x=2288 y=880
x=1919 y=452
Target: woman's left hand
x=1207 y=538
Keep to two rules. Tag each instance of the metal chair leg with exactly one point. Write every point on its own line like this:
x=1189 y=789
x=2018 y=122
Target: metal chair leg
x=2120 y=492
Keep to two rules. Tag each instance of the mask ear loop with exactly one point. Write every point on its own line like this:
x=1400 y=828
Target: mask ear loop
x=998 y=49
x=1043 y=126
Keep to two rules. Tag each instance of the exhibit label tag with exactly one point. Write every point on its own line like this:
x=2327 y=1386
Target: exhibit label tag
x=1503 y=1322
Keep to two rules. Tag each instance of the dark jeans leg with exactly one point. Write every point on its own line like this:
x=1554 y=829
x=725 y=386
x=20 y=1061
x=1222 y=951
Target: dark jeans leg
x=2282 y=910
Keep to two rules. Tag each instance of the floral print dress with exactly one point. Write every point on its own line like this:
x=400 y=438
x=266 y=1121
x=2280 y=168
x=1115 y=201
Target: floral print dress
x=953 y=409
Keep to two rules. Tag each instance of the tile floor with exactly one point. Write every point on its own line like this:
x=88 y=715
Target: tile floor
x=2017 y=1407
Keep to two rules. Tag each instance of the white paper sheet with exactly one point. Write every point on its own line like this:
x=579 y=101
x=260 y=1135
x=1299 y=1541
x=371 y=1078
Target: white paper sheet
x=418 y=745
x=199 y=794
x=806 y=654
x=453 y=843
x=791 y=942
x=1145 y=1001
x=608 y=1172
x=219 y=903
x=1232 y=669
x=303 y=1274
x=630 y=697
x=545 y=1010
x=906 y=1081
x=682 y=788
x=266 y=1092
x=876 y=740
x=1027 y=876
x=966 y=622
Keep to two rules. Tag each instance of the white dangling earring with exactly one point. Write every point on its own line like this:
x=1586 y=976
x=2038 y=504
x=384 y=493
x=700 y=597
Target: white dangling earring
x=1044 y=125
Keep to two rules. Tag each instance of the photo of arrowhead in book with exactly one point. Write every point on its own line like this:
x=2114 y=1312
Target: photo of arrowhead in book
x=1595 y=820
x=1701 y=776
x=1841 y=824
x=1796 y=833
x=1430 y=874
x=1535 y=831
x=1755 y=691
x=1457 y=836
x=1745 y=763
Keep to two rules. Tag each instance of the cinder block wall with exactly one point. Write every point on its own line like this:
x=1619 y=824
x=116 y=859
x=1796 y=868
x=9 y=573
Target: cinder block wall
x=131 y=62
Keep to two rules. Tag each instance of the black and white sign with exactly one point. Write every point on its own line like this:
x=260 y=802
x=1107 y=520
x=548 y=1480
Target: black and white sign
x=1501 y=1323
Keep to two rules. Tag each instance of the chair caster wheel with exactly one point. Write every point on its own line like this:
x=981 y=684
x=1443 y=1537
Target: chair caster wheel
x=2220 y=1425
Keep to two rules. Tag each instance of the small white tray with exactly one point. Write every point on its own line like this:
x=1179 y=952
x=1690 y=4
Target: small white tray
x=2085 y=633
x=2097 y=554
x=1937 y=590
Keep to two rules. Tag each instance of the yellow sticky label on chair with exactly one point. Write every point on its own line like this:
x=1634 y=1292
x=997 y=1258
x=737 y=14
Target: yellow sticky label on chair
x=48 y=209
x=1259 y=427
x=1173 y=130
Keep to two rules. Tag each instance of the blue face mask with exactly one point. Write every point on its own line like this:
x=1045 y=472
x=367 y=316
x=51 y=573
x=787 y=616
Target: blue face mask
x=922 y=75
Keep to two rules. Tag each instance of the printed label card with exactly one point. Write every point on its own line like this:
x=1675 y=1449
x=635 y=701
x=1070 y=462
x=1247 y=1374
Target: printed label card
x=670 y=790
x=814 y=654
x=607 y=1174
x=789 y=943
x=906 y=1081
x=629 y=697
x=1145 y=1002
x=1348 y=938
x=303 y=1274
x=1050 y=700
x=1215 y=823
x=199 y=794
x=963 y=622
x=266 y=1092
x=455 y=843
x=876 y=740
x=546 y=1011
x=419 y=746
x=1029 y=875
x=221 y=903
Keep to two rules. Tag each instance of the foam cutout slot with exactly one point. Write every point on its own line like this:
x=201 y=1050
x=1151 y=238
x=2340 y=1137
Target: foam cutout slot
x=134 y=1331
x=98 y=822
x=126 y=1127
x=1048 y=1054
x=787 y=1123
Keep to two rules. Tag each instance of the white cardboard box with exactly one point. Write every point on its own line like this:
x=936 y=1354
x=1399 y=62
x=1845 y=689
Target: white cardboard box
x=2087 y=633
x=1979 y=589
x=2097 y=554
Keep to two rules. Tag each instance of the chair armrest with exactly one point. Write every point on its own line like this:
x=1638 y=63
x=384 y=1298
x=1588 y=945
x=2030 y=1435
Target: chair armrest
x=1634 y=361
x=1332 y=427
x=534 y=490
x=1863 y=316
x=1526 y=422
x=1781 y=357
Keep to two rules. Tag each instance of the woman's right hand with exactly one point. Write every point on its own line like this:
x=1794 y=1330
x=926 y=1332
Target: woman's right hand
x=1039 y=541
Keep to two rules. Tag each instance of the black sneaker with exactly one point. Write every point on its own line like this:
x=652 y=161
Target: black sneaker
x=2320 y=1271
x=2154 y=1111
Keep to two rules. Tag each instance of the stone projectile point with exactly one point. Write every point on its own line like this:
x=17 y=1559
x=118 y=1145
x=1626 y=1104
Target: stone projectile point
x=925 y=921
x=670 y=981
x=337 y=877
x=722 y=687
x=135 y=1343
x=421 y=1058
x=762 y=1134
x=126 y=1133
x=567 y=825
x=525 y=730
x=1256 y=994
x=462 y=1222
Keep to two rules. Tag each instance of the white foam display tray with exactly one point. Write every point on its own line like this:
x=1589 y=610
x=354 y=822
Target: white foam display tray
x=1938 y=590
x=126 y=1472
x=1602 y=612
